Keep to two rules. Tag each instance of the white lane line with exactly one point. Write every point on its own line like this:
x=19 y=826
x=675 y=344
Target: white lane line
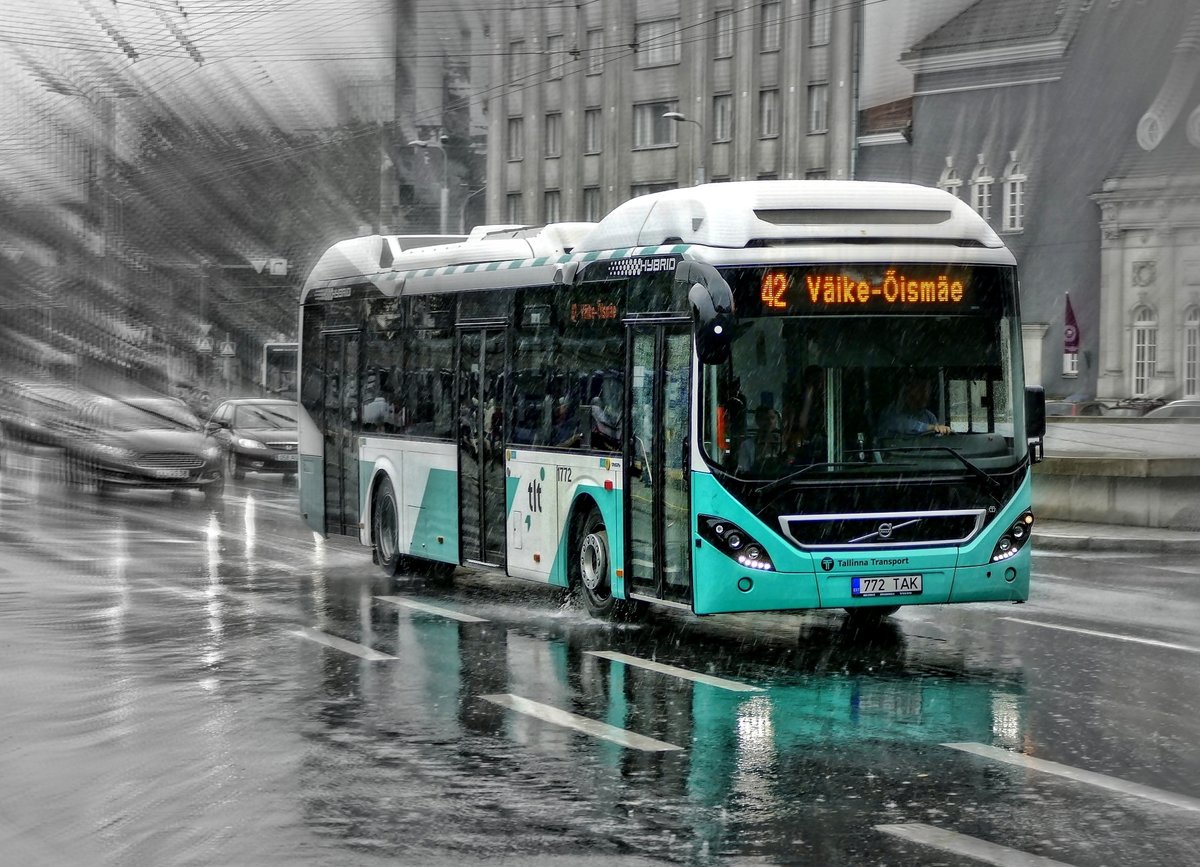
x=671 y=670
x=431 y=609
x=580 y=723
x=1114 y=635
x=1102 y=781
x=972 y=847
x=342 y=644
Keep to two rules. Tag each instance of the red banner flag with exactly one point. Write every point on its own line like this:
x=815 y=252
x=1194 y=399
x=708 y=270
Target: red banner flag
x=1070 y=331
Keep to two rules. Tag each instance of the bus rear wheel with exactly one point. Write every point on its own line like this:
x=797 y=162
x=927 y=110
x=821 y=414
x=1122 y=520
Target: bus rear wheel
x=385 y=528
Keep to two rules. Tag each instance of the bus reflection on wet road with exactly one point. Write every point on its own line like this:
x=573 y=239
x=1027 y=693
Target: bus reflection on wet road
x=189 y=683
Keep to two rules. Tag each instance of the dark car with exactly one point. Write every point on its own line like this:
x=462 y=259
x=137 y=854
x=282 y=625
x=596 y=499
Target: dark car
x=257 y=435
x=1060 y=408
x=144 y=442
x=41 y=413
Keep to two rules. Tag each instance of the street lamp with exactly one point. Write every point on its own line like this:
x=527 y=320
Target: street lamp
x=462 y=209
x=445 y=200
x=679 y=117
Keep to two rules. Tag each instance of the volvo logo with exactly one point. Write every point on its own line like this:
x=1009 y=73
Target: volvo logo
x=885 y=530
x=827 y=564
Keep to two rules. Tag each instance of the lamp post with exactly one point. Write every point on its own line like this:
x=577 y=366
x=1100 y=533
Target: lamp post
x=462 y=209
x=445 y=200
x=679 y=117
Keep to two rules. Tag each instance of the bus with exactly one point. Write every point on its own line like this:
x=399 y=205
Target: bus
x=748 y=396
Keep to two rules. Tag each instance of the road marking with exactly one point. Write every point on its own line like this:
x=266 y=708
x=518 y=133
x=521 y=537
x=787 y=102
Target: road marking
x=972 y=847
x=431 y=609
x=1115 y=635
x=580 y=723
x=1079 y=775
x=342 y=644
x=682 y=673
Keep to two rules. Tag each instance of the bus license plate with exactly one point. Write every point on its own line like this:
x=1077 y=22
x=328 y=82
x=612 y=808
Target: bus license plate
x=886 y=585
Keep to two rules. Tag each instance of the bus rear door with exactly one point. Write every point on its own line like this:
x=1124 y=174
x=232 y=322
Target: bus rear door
x=338 y=422
x=656 y=461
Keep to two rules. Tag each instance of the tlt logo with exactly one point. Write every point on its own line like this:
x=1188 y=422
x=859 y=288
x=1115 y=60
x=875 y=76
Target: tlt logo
x=535 y=496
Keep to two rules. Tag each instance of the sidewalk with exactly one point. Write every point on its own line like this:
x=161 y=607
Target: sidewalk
x=1055 y=535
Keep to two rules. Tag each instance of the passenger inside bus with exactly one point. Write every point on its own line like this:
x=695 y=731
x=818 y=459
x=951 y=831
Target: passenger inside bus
x=766 y=446
x=804 y=429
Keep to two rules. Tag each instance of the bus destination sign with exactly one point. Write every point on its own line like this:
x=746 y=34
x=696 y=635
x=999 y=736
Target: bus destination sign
x=890 y=288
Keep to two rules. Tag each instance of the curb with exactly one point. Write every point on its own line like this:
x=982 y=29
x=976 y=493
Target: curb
x=1055 y=541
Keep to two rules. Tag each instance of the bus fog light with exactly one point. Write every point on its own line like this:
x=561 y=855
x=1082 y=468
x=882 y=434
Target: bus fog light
x=745 y=584
x=1010 y=574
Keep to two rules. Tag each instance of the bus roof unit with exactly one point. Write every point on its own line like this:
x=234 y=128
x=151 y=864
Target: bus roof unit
x=353 y=258
x=771 y=213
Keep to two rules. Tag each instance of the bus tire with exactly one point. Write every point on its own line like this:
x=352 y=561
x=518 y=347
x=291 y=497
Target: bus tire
x=590 y=566
x=385 y=527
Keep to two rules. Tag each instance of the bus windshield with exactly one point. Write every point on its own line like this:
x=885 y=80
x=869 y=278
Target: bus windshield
x=866 y=370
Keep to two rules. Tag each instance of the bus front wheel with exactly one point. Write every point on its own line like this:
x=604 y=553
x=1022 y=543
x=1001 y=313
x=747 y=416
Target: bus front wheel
x=592 y=566
x=385 y=528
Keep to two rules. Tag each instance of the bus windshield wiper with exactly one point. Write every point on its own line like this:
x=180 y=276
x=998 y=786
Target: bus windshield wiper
x=965 y=461
x=783 y=480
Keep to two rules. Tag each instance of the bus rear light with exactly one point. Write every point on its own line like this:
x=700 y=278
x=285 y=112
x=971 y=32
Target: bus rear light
x=735 y=543
x=1014 y=538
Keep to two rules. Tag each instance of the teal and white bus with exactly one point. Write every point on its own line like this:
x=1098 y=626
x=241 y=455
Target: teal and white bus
x=759 y=396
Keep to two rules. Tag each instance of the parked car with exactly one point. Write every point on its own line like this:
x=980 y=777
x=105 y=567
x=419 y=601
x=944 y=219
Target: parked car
x=1176 y=409
x=257 y=435
x=144 y=442
x=42 y=413
x=1060 y=408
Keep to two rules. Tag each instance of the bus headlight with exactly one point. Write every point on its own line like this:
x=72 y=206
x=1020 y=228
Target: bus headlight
x=1014 y=538
x=735 y=543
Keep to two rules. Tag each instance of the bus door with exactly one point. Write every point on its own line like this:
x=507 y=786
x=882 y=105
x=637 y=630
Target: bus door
x=339 y=421
x=481 y=487
x=657 y=509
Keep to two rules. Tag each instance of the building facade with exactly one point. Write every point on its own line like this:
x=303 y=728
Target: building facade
x=576 y=114
x=1030 y=112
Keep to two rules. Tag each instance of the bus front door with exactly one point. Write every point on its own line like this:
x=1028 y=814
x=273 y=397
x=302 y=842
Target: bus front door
x=339 y=420
x=656 y=463
x=481 y=492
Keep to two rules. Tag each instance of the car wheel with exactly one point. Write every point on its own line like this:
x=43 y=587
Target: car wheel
x=215 y=491
x=385 y=528
x=231 y=465
x=592 y=570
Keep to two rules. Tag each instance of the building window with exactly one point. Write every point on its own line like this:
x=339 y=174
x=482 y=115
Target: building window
x=724 y=34
x=770 y=26
x=591 y=204
x=1070 y=365
x=554 y=134
x=556 y=56
x=1145 y=350
x=650 y=128
x=1191 y=352
x=818 y=22
x=722 y=121
x=514 y=212
x=516 y=138
x=950 y=181
x=516 y=60
x=818 y=108
x=552 y=206
x=656 y=187
x=591 y=131
x=595 y=52
x=1014 y=195
x=657 y=43
x=768 y=113
x=981 y=189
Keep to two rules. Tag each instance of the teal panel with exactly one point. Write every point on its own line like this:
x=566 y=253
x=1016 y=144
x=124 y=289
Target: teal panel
x=609 y=504
x=366 y=470
x=510 y=492
x=312 y=491
x=438 y=518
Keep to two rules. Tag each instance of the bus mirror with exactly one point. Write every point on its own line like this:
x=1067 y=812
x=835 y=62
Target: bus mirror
x=1035 y=412
x=711 y=301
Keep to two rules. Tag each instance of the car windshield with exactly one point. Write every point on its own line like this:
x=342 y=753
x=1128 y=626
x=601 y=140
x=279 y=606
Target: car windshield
x=151 y=414
x=814 y=387
x=263 y=416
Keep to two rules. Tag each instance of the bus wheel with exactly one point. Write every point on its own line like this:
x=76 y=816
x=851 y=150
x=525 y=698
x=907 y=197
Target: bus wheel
x=867 y=616
x=592 y=566
x=385 y=528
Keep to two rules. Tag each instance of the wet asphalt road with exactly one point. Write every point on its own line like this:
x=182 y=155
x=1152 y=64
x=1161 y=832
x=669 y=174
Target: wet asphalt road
x=187 y=685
